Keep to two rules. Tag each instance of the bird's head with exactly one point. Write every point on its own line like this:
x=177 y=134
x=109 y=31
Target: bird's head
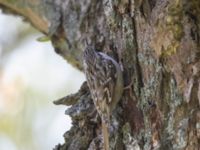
x=89 y=53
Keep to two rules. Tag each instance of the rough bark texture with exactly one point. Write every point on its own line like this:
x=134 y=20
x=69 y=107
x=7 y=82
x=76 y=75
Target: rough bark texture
x=157 y=43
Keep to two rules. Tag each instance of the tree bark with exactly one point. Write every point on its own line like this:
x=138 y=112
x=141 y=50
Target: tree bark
x=156 y=42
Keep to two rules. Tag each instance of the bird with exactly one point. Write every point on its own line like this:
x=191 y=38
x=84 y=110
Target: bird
x=105 y=80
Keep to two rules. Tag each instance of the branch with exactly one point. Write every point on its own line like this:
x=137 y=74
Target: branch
x=29 y=10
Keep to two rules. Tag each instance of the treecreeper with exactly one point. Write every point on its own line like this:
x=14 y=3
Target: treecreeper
x=105 y=81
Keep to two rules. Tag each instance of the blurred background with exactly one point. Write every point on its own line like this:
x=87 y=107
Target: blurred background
x=32 y=76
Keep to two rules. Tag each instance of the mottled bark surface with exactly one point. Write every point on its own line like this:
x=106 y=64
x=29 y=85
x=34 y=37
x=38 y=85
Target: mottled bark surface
x=156 y=42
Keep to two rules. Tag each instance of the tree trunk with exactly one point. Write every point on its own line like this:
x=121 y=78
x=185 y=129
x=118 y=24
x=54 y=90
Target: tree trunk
x=157 y=44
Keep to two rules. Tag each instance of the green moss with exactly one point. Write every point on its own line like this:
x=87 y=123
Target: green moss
x=175 y=26
x=11 y=1
x=171 y=49
x=126 y=129
x=178 y=31
x=174 y=18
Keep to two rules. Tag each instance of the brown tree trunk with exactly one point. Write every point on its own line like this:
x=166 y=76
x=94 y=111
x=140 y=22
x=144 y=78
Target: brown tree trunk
x=157 y=43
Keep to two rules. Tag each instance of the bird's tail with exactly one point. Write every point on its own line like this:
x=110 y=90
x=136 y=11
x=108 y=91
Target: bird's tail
x=105 y=136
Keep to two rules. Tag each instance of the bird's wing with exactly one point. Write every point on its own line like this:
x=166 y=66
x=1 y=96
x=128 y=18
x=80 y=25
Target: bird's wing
x=107 y=76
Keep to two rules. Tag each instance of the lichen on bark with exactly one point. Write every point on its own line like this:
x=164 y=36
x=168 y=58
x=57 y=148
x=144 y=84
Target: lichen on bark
x=156 y=43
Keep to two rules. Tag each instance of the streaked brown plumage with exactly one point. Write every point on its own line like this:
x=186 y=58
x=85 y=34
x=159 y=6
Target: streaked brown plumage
x=105 y=81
